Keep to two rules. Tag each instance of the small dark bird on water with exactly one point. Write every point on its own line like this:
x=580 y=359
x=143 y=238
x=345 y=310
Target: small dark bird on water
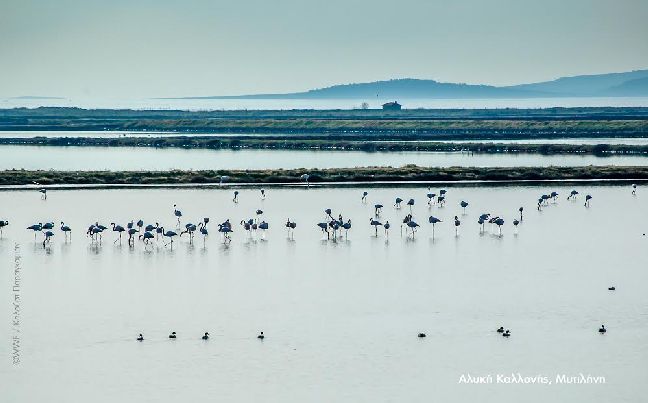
x=172 y=335
x=421 y=335
x=140 y=337
x=261 y=336
x=507 y=333
x=205 y=336
x=501 y=329
x=602 y=329
x=611 y=288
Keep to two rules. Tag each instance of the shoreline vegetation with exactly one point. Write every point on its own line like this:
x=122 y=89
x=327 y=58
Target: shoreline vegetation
x=414 y=124
x=360 y=143
x=408 y=173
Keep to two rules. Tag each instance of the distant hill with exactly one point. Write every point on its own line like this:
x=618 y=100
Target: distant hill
x=613 y=84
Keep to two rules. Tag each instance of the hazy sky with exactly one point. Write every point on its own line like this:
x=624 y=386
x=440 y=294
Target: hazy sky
x=156 y=48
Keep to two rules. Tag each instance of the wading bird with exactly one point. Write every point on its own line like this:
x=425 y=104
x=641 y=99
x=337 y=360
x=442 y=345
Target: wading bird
x=572 y=194
x=398 y=202
x=263 y=226
x=177 y=213
x=172 y=335
x=378 y=209
x=457 y=223
x=324 y=227
x=587 y=200
x=602 y=329
x=515 y=225
x=189 y=229
x=304 y=178
x=36 y=228
x=225 y=228
x=412 y=226
x=170 y=235
x=43 y=193
x=3 y=223
x=499 y=222
x=386 y=226
x=347 y=227
x=205 y=336
x=290 y=226
x=235 y=199
x=364 y=196
x=263 y=194
x=140 y=337
x=48 y=236
x=433 y=220
x=375 y=223
x=634 y=189
x=261 y=336
x=202 y=227
x=119 y=229
x=131 y=236
x=431 y=197
x=410 y=203
x=147 y=237
x=463 y=205
x=66 y=230
x=521 y=209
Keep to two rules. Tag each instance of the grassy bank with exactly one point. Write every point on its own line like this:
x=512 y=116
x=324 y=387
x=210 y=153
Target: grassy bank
x=368 y=174
x=365 y=144
x=432 y=123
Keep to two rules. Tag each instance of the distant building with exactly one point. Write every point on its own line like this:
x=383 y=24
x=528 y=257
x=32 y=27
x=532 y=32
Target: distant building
x=392 y=106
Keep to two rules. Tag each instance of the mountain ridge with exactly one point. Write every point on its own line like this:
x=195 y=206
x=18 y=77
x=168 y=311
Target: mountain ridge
x=632 y=83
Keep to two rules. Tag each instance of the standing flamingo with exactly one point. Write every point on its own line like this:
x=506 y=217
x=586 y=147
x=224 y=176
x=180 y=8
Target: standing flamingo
x=291 y=225
x=386 y=226
x=634 y=189
x=170 y=235
x=398 y=202
x=499 y=222
x=587 y=200
x=177 y=213
x=433 y=220
x=119 y=229
x=235 y=199
x=463 y=205
x=431 y=197
x=36 y=228
x=375 y=223
x=412 y=225
x=457 y=223
x=378 y=208
x=3 y=223
x=572 y=194
x=48 y=236
x=410 y=203
x=521 y=209
x=66 y=230
x=364 y=196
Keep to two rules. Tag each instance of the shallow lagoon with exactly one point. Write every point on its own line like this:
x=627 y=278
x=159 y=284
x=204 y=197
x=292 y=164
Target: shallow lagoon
x=341 y=318
x=145 y=158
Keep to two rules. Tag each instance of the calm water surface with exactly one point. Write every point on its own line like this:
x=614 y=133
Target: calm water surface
x=341 y=318
x=130 y=158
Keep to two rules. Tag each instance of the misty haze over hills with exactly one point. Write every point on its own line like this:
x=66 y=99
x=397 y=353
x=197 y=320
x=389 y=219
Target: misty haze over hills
x=628 y=84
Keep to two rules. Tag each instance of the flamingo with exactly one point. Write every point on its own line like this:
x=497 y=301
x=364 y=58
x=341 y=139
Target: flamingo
x=189 y=229
x=441 y=201
x=48 y=236
x=48 y=225
x=43 y=193
x=235 y=199
x=66 y=230
x=499 y=222
x=482 y=219
x=304 y=178
x=457 y=223
x=119 y=229
x=177 y=213
x=324 y=227
x=36 y=228
x=412 y=225
x=634 y=189
x=150 y=228
x=515 y=225
x=225 y=228
x=398 y=202
x=375 y=223
x=378 y=208
x=291 y=225
x=147 y=236
x=170 y=235
x=3 y=223
x=264 y=227
x=572 y=194
x=202 y=227
x=521 y=209
x=386 y=226
x=407 y=219
x=463 y=205
x=410 y=203
x=587 y=200
x=263 y=195
x=347 y=227
x=433 y=220
x=140 y=224
x=431 y=197
x=540 y=200
x=131 y=236
x=364 y=196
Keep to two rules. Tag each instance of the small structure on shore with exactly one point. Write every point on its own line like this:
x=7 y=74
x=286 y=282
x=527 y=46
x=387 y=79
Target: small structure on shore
x=392 y=106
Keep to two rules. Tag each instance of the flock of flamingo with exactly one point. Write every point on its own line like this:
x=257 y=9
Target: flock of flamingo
x=333 y=228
